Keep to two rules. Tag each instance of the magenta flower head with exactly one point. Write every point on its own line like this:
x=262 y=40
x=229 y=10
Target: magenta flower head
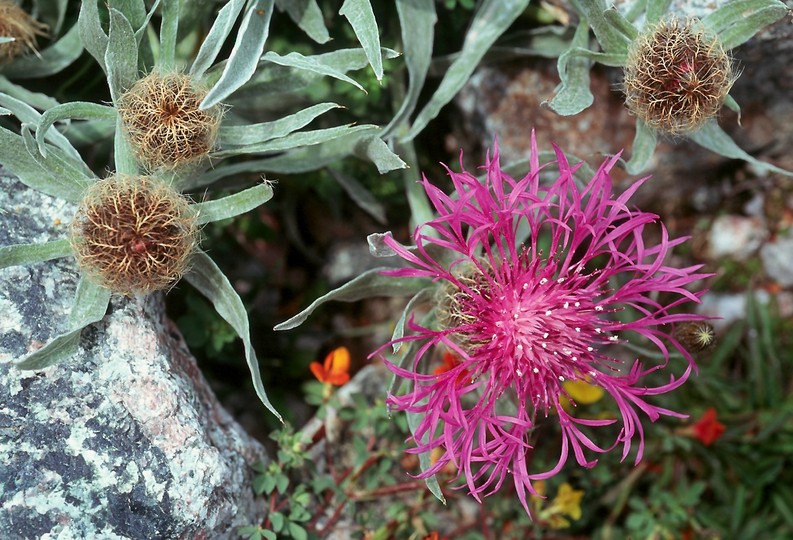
x=535 y=285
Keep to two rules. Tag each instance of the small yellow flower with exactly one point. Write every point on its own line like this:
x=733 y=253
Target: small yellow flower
x=580 y=392
x=566 y=504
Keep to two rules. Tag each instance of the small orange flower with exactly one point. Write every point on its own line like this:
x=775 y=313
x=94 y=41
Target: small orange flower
x=336 y=368
x=434 y=536
x=707 y=429
x=450 y=362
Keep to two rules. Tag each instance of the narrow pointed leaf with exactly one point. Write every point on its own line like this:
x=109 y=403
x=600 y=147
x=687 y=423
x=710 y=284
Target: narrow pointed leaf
x=17 y=159
x=121 y=57
x=245 y=54
x=81 y=110
x=377 y=151
x=57 y=162
x=168 y=29
x=360 y=195
x=294 y=140
x=417 y=20
x=51 y=60
x=748 y=25
x=90 y=306
x=712 y=137
x=414 y=420
x=364 y=24
x=573 y=94
x=265 y=131
x=737 y=18
x=308 y=16
x=207 y=278
x=234 y=205
x=28 y=115
x=643 y=148
x=21 y=254
x=92 y=35
x=34 y=99
x=308 y=63
x=221 y=28
x=369 y=284
x=612 y=39
x=491 y=20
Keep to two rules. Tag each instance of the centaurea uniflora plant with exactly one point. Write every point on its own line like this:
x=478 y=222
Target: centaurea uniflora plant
x=545 y=285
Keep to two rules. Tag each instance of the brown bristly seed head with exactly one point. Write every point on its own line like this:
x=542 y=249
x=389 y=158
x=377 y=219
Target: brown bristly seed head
x=16 y=23
x=134 y=234
x=161 y=117
x=677 y=76
x=451 y=301
x=695 y=336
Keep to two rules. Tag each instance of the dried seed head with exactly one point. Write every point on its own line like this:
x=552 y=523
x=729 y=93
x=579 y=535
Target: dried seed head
x=163 y=122
x=677 y=76
x=16 y=23
x=695 y=336
x=134 y=234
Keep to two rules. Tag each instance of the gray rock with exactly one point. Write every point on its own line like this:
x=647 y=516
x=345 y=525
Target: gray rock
x=125 y=439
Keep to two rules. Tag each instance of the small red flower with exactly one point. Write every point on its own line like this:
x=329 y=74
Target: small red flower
x=708 y=429
x=335 y=370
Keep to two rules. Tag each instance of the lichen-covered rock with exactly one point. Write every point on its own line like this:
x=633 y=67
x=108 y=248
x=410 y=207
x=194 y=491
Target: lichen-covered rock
x=125 y=439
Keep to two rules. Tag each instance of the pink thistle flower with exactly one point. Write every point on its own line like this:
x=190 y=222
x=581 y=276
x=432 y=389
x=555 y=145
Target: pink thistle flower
x=538 y=285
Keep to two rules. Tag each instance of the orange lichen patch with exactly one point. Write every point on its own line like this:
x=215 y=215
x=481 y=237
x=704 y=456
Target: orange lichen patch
x=16 y=23
x=134 y=234
x=336 y=368
x=677 y=76
x=165 y=126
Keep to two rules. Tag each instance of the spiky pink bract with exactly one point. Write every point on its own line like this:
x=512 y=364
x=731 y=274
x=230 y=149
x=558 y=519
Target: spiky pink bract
x=524 y=318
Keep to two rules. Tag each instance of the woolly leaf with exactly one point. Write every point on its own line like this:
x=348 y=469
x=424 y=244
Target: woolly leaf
x=29 y=115
x=490 y=21
x=92 y=35
x=308 y=16
x=293 y=140
x=414 y=420
x=308 y=63
x=207 y=278
x=656 y=10
x=221 y=28
x=369 y=284
x=736 y=22
x=121 y=56
x=168 y=30
x=612 y=38
x=15 y=157
x=255 y=133
x=417 y=20
x=573 y=94
x=377 y=151
x=643 y=148
x=123 y=155
x=21 y=254
x=34 y=99
x=424 y=295
x=245 y=54
x=52 y=12
x=56 y=162
x=51 y=60
x=234 y=205
x=362 y=20
x=75 y=110
x=133 y=10
x=712 y=137
x=622 y=25
x=90 y=306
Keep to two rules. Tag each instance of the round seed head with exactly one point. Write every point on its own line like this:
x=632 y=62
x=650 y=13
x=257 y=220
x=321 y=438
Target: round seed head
x=16 y=23
x=695 y=336
x=677 y=76
x=134 y=234
x=161 y=116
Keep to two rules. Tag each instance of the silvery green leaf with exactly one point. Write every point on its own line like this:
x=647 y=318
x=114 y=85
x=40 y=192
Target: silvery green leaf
x=142 y=26
x=370 y=284
x=121 y=56
x=423 y=296
x=52 y=13
x=414 y=420
x=294 y=140
x=612 y=39
x=51 y=60
x=34 y=99
x=123 y=155
x=377 y=245
x=420 y=210
x=712 y=137
x=57 y=162
x=28 y=115
x=245 y=54
x=133 y=10
x=15 y=157
x=4 y=111
x=90 y=306
x=168 y=30
x=643 y=148
x=622 y=25
x=308 y=63
x=5 y=39
x=417 y=20
x=573 y=94
x=22 y=254
x=490 y=21
x=657 y=9
x=75 y=110
x=735 y=22
x=221 y=28
x=731 y=104
x=360 y=195
x=92 y=35
x=362 y=20
x=255 y=133
x=308 y=16
x=373 y=148
x=207 y=278
x=234 y=205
